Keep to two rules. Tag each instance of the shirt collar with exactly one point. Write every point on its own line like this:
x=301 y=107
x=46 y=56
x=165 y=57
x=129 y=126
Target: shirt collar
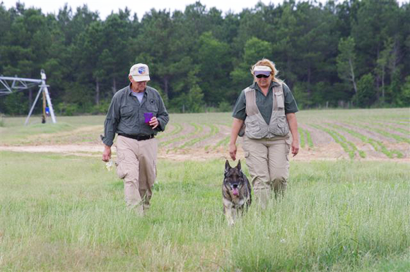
x=255 y=86
x=130 y=90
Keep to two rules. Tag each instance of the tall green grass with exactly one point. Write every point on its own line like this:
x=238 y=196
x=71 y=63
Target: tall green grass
x=347 y=221
x=67 y=213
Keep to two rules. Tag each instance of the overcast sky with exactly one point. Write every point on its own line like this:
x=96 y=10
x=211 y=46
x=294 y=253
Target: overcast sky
x=104 y=7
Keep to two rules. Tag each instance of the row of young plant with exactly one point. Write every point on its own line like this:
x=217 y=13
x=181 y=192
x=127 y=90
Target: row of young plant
x=305 y=138
x=179 y=139
x=350 y=147
x=176 y=134
x=185 y=135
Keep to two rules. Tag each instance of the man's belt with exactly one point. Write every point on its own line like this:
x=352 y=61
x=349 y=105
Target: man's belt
x=137 y=137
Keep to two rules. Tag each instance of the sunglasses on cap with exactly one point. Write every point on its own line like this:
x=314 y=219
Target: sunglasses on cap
x=262 y=76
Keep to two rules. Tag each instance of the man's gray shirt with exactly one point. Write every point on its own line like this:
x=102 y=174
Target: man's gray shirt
x=126 y=114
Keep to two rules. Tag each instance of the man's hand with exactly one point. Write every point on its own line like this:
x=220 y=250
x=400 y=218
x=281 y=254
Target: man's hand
x=154 y=122
x=106 y=153
x=232 y=151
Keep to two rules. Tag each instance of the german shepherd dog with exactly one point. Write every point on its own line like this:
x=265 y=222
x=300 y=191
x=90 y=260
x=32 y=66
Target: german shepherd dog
x=236 y=192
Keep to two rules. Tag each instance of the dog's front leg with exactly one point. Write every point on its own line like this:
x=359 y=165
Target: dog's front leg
x=228 y=207
x=234 y=213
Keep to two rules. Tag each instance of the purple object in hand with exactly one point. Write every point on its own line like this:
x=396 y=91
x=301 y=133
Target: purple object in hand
x=148 y=116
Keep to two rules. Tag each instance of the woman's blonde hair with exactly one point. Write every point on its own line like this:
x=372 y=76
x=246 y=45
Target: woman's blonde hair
x=270 y=64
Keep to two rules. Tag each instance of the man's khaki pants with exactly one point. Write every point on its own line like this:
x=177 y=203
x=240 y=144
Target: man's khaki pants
x=136 y=164
x=268 y=164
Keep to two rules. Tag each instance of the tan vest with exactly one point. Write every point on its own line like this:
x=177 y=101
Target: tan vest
x=256 y=127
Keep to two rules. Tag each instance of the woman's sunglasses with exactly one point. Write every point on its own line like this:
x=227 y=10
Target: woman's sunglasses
x=262 y=76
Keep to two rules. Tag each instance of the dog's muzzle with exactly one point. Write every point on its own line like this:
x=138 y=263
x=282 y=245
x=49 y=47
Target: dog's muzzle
x=235 y=189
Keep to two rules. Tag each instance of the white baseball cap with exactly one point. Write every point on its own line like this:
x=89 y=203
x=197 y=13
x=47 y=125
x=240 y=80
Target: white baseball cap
x=262 y=70
x=140 y=72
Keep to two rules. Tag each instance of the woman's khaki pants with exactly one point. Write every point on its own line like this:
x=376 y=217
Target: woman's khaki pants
x=136 y=165
x=268 y=164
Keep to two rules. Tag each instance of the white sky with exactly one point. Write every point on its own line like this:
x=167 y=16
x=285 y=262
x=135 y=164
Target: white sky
x=104 y=7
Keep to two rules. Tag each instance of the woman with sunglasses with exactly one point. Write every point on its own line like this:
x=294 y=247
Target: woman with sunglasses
x=265 y=114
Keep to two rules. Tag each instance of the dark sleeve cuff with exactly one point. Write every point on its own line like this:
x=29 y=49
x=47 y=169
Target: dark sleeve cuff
x=106 y=141
x=159 y=127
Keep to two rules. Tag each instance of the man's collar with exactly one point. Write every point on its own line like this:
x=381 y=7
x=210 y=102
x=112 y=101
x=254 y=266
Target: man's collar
x=130 y=90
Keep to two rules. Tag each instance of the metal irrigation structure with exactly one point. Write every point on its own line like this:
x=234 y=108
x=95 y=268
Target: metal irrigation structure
x=18 y=84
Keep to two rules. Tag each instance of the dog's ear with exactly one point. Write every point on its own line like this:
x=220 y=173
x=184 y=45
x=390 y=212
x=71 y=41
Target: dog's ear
x=239 y=165
x=227 y=165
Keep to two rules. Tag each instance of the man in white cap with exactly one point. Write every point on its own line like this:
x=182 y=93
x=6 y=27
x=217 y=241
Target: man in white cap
x=137 y=113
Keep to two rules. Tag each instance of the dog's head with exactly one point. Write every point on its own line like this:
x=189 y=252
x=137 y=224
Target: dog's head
x=234 y=178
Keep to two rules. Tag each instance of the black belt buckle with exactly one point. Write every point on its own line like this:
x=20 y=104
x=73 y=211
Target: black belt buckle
x=144 y=137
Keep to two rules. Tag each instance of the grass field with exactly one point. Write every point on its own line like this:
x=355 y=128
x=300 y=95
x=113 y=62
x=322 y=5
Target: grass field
x=60 y=212
x=68 y=213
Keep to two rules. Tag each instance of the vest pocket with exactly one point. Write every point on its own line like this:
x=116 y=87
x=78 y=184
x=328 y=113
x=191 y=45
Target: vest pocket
x=279 y=100
x=281 y=128
x=253 y=129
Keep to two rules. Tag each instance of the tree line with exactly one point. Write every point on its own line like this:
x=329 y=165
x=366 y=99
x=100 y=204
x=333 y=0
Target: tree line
x=348 y=54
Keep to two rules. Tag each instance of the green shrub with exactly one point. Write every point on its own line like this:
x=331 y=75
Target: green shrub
x=102 y=108
x=224 y=107
x=68 y=109
x=365 y=95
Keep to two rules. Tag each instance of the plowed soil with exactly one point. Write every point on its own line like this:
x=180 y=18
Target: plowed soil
x=85 y=142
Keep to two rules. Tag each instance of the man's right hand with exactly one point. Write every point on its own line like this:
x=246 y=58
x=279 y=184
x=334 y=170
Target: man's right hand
x=106 y=153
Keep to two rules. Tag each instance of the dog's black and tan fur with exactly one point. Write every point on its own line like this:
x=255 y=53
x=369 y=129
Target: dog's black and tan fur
x=236 y=192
